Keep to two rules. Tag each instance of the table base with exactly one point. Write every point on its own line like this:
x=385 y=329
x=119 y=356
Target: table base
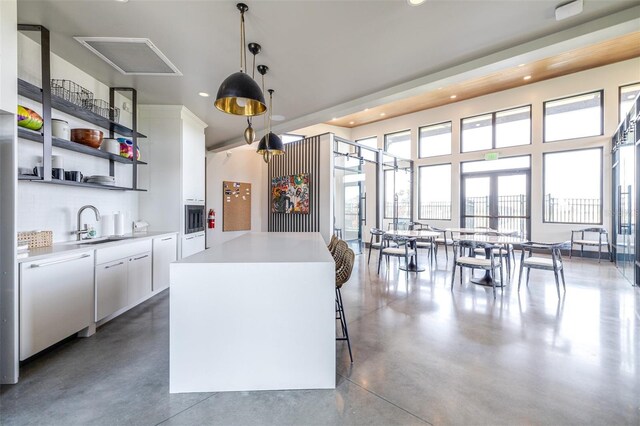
x=411 y=268
x=486 y=281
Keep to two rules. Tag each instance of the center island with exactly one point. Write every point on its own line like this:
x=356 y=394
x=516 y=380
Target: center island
x=254 y=313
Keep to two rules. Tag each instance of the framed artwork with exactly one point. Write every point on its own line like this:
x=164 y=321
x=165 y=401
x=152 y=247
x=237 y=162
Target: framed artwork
x=290 y=194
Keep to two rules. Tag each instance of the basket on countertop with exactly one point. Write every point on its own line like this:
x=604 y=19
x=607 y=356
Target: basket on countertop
x=72 y=92
x=36 y=239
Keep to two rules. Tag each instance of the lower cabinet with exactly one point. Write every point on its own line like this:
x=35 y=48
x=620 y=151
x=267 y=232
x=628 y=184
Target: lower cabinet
x=193 y=243
x=56 y=296
x=165 y=251
x=122 y=283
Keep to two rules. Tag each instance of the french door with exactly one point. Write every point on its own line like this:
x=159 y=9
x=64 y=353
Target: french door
x=498 y=200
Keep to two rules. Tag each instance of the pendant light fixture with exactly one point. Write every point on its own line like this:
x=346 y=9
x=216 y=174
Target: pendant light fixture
x=249 y=132
x=270 y=144
x=239 y=94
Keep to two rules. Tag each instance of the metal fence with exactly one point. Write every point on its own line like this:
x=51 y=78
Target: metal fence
x=572 y=210
x=404 y=209
x=512 y=213
x=435 y=210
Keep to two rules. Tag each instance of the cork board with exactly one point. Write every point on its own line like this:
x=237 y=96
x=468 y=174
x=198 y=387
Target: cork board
x=236 y=206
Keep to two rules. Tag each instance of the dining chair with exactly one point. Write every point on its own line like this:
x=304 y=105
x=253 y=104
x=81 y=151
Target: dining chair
x=402 y=248
x=592 y=242
x=344 y=267
x=442 y=240
x=472 y=262
x=332 y=243
x=376 y=234
x=507 y=253
x=553 y=263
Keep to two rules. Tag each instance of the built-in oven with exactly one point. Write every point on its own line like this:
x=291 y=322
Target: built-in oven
x=194 y=219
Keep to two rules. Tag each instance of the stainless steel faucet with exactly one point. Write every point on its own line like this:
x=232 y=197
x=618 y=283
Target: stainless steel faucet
x=83 y=208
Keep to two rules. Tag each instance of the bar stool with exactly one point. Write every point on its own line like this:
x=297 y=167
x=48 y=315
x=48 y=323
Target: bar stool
x=344 y=267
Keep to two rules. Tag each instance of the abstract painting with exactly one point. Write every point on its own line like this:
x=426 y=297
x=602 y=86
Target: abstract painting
x=290 y=194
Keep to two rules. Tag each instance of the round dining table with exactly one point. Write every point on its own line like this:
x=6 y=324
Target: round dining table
x=487 y=280
x=413 y=237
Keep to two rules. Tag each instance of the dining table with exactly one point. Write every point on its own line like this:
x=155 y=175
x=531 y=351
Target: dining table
x=414 y=236
x=487 y=280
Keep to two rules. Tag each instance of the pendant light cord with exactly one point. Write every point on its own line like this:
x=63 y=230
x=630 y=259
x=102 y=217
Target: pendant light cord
x=243 y=51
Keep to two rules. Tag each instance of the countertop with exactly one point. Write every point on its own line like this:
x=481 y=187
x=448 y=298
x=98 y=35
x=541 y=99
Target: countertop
x=267 y=247
x=71 y=247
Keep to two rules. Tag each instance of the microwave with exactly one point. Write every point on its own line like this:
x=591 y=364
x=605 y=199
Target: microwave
x=194 y=219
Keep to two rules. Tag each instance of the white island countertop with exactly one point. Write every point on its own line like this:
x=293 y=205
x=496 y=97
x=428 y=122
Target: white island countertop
x=266 y=247
x=254 y=313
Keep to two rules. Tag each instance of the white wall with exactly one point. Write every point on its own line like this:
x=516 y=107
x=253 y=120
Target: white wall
x=52 y=207
x=608 y=78
x=240 y=164
x=318 y=129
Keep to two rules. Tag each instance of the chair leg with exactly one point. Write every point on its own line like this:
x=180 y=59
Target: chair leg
x=528 y=271
x=453 y=276
x=555 y=273
x=599 y=252
x=520 y=275
x=369 y=258
x=379 y=260
x=508 y=265
x=446 y=252
x=343 y=321
x=501 y=280
x=581 y=251
x=562 y=275
x=609 y=251
x=460 y=276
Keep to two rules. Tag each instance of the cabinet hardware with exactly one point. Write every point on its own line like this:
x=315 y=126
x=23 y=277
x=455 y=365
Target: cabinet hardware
x=54 y=262
x=141 y=257
x=113 y=266
x=190 y=238
x=166 y=239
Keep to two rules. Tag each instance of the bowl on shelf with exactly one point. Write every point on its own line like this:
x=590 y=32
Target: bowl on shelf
x=89 y=137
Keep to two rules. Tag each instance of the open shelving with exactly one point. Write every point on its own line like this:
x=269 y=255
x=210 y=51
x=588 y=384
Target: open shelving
x=37 y=179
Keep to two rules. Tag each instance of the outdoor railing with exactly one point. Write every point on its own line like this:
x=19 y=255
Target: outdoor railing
x=572 y=210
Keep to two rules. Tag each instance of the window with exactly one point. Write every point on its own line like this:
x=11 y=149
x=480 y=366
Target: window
x=574 y=117
x=500 y=129
x=435 y=192
x=573 y=186
x=434 y=140
x=397 y=194
x=371 y=142
x=627 y=94
x=398 y=144
x=290 y=137
x=508 y=163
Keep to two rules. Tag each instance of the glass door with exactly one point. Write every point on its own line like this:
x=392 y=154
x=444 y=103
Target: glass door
x=497 y=200
x=348 y=199
x=624 y=205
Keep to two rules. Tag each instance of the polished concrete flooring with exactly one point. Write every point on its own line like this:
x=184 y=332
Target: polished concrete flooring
x=423 y=355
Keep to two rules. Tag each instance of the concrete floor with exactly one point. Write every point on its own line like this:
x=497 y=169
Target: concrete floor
x=423 y=355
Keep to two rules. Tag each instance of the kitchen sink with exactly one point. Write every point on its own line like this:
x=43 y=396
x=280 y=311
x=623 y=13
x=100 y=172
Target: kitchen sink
x=102 y=240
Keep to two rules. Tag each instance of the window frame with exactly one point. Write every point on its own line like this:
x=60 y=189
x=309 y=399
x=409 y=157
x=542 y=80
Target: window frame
x=544 y=184
x=369 y=137
x=450 y=164
x=620 y=95
x=384 y=144
x=493 y=129
x=544 y=116
x=450 y=142
x=384 y=195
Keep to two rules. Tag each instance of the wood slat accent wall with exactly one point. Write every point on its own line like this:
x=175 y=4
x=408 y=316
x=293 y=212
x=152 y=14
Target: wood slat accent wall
x=301 y=157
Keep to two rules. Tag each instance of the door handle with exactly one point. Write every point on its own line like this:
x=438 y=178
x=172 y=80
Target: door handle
x=55 y=262
x=113 y=266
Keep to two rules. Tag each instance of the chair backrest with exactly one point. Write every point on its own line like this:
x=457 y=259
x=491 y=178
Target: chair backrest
x=332 y=243
x=376 y=231
x=417 y=226
x=346 y=267
x=341 y=247
x=400 y=239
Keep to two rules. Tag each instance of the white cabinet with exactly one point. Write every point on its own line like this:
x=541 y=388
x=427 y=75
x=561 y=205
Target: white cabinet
x=165 y=251
x=111 y=287
x=193 y=243
x=139 y=278
x=193 y=161
x=56 y=298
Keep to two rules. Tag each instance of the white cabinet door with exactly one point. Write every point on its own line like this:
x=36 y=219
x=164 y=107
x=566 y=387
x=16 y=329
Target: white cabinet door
x=192 y=244
x=165 y=251
x=193 y=163
x=56 y=296
x=139 y=277
x=111 y=287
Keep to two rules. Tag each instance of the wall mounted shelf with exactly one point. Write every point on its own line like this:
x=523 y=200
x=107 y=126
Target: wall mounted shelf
x=72 y=146
x=34 y=93
x=35 y=179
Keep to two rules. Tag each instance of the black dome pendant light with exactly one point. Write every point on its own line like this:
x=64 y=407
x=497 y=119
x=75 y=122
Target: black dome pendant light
x=249 y=132
x=239 y=94
x=270 y=144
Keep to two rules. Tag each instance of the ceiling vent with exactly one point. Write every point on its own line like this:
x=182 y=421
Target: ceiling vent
x=130 y=56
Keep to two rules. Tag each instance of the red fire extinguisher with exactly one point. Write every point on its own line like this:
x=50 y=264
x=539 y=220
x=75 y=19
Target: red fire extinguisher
x=212 y=219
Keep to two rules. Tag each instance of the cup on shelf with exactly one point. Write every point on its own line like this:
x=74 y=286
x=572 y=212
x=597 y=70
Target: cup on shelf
x=57 y=173
x=111 y=146
x=73 y=175
x=60 y=129
x=38 y=171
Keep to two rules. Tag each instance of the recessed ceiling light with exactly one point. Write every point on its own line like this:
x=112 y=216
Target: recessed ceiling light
x=277 y=118
x=382 y=114
x=366 y=109
x=351 y=122
x=453 y=96
x=526 y=77
x=521 y=65
x=631 y=96
x=415 y=2
x=334 y=118
x=122 y=1
x=204 y=94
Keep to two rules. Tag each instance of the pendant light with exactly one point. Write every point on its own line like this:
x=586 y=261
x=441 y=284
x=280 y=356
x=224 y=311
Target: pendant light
x=249 y=132
x=270 y=144
x=239 y=94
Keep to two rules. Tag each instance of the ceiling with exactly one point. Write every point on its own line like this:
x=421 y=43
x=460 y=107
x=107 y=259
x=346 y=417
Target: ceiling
x=596 y=55
x=321 y=54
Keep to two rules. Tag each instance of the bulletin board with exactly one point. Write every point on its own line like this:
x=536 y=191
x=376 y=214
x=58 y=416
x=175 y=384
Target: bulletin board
x=236 y=206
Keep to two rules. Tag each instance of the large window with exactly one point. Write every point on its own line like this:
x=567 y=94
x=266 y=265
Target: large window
x=435 y=192
x=398 y=144
x=573 y=186
x=434 y=140
x=371 y=142
x=397 y=194
x=500 y=129
x=574 y=117
x=627 y=95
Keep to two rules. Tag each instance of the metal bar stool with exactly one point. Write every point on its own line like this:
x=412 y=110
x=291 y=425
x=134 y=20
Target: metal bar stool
x=344 y=267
